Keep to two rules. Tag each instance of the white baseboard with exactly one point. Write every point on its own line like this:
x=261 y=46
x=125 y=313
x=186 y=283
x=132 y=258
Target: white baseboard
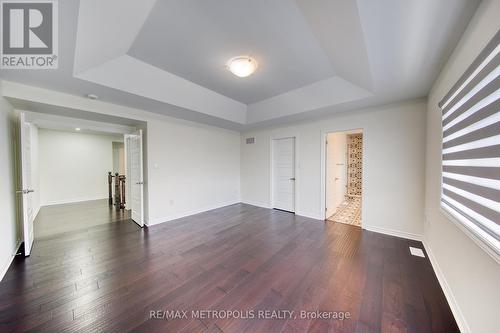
x=268 y=206
x=459 y=317
x=392 y=232
x=37 y=210
x=62 y=202
x=176 y=216
x=455 y=309
x=257 y=204
x=7 y=264
x=309 y=215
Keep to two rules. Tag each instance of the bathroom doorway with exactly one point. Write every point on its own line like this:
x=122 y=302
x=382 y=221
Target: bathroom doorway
x=344 y=177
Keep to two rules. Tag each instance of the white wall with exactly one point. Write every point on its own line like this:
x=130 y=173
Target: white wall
x=470 y=277
x=191 y=168
x=393 y=175
x=74 y=166
x=9 y=230
x=212 y=154
x=118 y=158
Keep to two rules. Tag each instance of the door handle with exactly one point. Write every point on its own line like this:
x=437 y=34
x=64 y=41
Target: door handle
x=25 y=191
x=293 y=178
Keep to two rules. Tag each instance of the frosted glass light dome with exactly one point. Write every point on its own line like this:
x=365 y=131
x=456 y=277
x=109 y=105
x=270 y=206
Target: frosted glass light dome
x=242 y=66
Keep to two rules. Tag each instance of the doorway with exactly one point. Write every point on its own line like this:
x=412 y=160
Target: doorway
x=344 y=177
x=65 y=166
x=283 y=174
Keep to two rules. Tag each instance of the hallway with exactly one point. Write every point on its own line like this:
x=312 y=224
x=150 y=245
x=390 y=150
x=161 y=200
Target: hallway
x=348 y=212
x=344 y=177
x=57 y=219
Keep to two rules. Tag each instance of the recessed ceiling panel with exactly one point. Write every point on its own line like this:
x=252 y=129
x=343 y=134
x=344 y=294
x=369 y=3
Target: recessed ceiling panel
x=195 y=38
x=315 y=57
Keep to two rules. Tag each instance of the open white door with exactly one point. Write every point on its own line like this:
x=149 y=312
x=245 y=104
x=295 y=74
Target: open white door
x=127 y=171
x=284 y=174
x=336 y=171
x=26 y=188
x=134 y=156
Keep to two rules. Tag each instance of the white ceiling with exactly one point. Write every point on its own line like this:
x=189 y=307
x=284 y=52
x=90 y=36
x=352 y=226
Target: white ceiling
x=315 y=57
x=63 y=117
x=68 y=124
x=194 y=40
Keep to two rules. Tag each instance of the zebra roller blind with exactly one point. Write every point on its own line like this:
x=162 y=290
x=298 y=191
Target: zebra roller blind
x=471 y=147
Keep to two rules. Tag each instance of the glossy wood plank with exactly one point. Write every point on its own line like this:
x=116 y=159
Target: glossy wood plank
x=109 y=277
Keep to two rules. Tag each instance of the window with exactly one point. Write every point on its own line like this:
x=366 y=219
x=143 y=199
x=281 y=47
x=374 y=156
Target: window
x=471 y=148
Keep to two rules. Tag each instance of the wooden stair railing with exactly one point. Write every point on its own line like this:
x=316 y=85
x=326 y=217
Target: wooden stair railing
x=118 y=199
x=110 y=188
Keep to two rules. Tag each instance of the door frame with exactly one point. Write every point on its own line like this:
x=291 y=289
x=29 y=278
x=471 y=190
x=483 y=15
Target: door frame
x=295 y=166
x=324 y=136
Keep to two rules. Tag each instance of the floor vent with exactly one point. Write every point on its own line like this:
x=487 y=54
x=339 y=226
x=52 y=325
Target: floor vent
x=417 y=252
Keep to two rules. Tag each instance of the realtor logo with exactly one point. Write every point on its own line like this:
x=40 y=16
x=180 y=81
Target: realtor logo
x=29 y=34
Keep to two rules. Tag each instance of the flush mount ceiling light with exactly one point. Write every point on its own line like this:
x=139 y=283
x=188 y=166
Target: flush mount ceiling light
x=78 y=129
x=92 y=96
x=242 y=66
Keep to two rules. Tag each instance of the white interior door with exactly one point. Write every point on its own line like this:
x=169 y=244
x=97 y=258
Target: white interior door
x=284 y=174
x=134 y=145
x=26 y=187
x=336 y=171
x=340 y=187
x=127 y=171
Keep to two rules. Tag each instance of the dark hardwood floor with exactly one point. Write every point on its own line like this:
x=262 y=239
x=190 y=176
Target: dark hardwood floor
x=109 y=278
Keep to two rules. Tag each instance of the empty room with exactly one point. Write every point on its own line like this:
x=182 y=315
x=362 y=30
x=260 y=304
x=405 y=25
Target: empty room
x=75 y=172
x=250 y=166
